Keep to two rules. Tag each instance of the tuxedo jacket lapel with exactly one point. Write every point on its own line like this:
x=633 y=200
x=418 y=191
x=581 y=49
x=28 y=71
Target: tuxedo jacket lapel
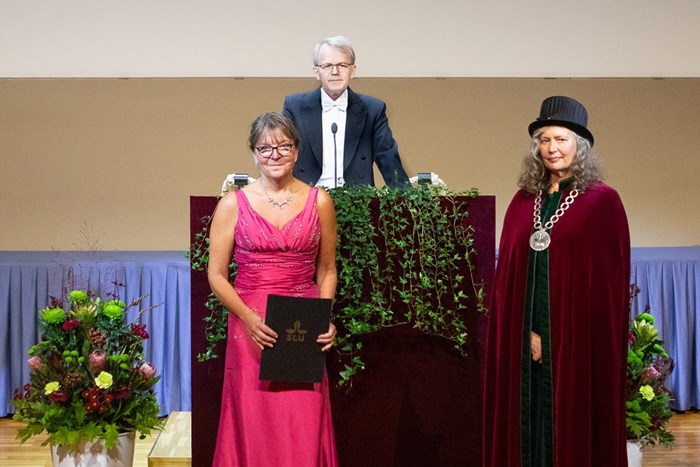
x=354 y=123
x=312 y=114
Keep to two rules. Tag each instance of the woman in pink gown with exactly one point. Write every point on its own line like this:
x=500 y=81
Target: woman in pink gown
x=283 y=236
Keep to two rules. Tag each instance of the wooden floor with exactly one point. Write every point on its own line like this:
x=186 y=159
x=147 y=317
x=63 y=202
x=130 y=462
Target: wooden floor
x=686 y=452
x=685 y=426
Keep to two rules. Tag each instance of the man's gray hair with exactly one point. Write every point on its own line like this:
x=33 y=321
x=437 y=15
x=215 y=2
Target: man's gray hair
x=339 y=42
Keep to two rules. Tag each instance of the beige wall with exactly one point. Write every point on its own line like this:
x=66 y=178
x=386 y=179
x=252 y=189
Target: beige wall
x=122 y=156
x=406 y=38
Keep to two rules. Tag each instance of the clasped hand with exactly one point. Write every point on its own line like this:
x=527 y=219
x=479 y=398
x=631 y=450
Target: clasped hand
x=264 y=336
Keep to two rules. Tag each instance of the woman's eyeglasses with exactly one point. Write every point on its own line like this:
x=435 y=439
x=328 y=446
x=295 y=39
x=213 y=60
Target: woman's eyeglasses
x=283 y=150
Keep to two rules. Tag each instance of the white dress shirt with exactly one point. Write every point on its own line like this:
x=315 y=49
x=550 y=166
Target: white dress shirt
x=334 y=111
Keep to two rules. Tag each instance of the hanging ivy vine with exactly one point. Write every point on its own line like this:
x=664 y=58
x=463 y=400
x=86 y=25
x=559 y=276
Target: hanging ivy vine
x=404 y=257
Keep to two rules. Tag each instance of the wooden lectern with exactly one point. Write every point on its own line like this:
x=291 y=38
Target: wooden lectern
x=418 y=403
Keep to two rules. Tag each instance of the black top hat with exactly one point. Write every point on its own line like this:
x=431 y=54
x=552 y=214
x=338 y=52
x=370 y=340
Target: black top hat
x=563 y=111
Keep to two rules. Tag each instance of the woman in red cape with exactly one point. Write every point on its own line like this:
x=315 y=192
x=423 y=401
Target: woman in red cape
x=557 y=339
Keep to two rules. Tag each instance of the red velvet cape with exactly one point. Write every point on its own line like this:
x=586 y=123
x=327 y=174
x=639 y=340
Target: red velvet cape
x=589 y=274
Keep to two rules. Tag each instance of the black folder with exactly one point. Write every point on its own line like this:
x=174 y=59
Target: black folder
x=296 y=357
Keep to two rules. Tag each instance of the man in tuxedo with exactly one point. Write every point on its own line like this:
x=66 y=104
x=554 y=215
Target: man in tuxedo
x=334 y=121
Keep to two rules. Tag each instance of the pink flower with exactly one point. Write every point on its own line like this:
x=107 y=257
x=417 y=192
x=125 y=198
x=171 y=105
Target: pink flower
x=147 y=370
x=97 y=359
x=35 y=363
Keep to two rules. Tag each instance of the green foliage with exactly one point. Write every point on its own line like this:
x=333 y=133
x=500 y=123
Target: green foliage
x=89 y=378
x=199 y=250
x=408 y=261
x=216 y=325
x=648 y=366
x=216 y=322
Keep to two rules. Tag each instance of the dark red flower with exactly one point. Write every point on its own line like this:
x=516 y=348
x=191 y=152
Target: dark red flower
x=97 y=400
x=91 y=393
x=58 y=396
x=71 y=324
x=92 y=406
x=140 y=330
x=121 y=393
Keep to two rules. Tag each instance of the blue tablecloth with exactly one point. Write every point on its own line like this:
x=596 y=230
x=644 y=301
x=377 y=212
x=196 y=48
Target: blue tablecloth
x=669 y=279
x=29 y=279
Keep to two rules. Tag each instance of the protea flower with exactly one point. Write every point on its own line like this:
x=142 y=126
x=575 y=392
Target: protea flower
x=35 y=363
x=97 y=360
x=147 y=370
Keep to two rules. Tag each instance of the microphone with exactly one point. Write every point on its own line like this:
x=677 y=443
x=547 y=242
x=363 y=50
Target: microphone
x=334 y=130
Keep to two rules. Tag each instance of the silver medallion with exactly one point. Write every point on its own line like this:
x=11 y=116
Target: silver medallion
x=539 y=240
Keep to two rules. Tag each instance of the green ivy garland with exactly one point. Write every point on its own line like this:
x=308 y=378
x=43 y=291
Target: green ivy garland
x=409 y=263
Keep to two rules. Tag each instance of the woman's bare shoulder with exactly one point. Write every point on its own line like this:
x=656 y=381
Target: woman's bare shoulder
x=228 y=203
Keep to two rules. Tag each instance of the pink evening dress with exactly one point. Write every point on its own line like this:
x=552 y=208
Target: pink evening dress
x=266 y=423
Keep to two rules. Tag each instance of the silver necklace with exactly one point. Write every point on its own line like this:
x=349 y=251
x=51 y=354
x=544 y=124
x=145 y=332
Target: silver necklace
x=540 y=239
x=280 y=204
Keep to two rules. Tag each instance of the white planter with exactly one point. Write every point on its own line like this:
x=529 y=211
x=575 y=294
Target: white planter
x=634 y=454
x=94 y=454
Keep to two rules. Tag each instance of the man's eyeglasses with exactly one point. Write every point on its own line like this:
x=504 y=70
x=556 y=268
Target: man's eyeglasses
x=338 y=66
x=283 y=150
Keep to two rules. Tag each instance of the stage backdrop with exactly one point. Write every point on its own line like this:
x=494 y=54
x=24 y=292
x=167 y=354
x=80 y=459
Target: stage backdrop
x=124 y=155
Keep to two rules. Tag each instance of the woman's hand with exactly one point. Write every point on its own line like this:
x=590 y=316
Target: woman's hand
x=536 y=347
x=262 y=334
x=327 y=338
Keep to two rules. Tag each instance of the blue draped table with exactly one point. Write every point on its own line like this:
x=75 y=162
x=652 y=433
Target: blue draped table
x=669 y=280
x=29 y=279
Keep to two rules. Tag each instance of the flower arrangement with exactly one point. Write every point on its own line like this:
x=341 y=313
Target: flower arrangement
x=648 y=399
x=88 y=376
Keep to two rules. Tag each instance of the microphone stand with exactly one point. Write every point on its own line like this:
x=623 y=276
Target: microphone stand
x=334 y=130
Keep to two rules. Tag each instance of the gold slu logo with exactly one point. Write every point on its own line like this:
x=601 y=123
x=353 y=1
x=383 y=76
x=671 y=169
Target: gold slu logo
x=296 y=334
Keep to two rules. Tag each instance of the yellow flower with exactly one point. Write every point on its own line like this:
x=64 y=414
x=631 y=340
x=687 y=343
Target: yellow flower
x=51 y=387
x=104 y=380
x=647 y=392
